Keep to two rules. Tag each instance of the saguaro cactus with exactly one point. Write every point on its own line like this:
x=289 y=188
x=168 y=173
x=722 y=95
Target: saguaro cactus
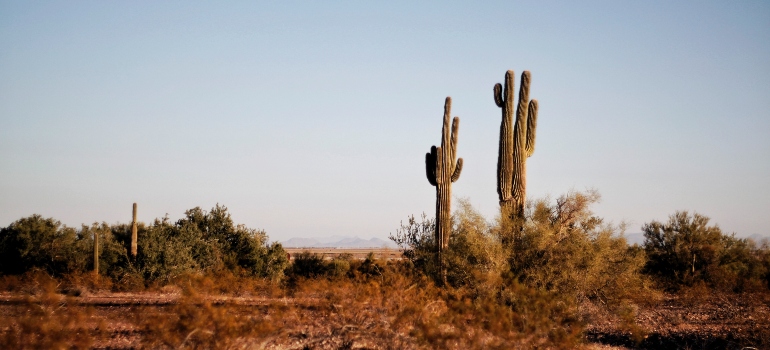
x=517 y=143
x=133 y=234
x=442 y=170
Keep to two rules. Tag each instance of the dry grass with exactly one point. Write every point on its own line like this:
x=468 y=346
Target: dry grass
x=388 y=309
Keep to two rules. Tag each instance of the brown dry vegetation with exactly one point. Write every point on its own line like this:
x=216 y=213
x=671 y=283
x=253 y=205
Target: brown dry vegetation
x=393 y=309
x=390 y=310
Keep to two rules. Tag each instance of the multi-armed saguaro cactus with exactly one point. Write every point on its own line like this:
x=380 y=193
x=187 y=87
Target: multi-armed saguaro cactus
x=442 y=170
x=133 y=234
x=517 y=143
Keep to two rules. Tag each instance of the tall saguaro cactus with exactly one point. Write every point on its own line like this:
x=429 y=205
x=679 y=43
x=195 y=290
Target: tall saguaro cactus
x=133 y=234
x=517 y=143
x=442 y=170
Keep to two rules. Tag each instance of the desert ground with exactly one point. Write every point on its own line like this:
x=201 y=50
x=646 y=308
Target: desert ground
x=247 y=314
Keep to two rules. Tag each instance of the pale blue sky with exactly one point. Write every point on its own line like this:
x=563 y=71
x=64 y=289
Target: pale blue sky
x=313 y=118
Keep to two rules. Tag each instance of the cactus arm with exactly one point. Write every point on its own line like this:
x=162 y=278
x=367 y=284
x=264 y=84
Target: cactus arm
x=521 y=109
x=510 y=82
x=453 y=140
x=445 y=126
x=505 y=152
x=531 y=127
x=498 y=92
x=430 y=165
x=458 y=169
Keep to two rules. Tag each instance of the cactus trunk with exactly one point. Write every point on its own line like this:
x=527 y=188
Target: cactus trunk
x=517 y=143
x=133 y=234
x=442 y=170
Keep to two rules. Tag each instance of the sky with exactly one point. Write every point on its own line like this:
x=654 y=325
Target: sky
x=312 y=119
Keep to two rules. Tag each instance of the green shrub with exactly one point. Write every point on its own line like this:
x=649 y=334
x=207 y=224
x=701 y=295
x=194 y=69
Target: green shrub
x=206 y=241
x=113 y=255
x=166 y=251
x=417 y=240
x=35 y=242
x=276 y=260
x=307 y=265
x=339 y=266
x=200 y=242
x=687 y=250
x=564 y=248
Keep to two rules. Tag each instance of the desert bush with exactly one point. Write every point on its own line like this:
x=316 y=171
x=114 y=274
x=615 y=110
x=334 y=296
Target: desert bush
x=417 y=241
x=200 y=242
x=36 y=242
x=166 y=251
x=307 y=265
x=559 y=247
x=369 y=267
x=475 y=258
x=564 y=248
x=339 y=266
x=482 y=288
x=113 y=256
x=205 y=242
x=311 y=265
x=687 y=250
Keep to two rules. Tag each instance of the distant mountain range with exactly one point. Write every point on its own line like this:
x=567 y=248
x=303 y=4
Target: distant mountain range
x=337 y=242
x=632 y=238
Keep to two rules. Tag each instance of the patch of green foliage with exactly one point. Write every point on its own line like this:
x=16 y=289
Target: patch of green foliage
x=43 y=243
x=200 y=242
x=687 y=250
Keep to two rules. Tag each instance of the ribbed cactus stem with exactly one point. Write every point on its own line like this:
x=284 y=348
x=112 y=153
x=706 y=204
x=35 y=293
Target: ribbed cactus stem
x=442 y=169
x=133 y=234
x=517 y=143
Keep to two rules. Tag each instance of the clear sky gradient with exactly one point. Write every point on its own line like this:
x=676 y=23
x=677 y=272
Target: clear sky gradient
x=313 y=118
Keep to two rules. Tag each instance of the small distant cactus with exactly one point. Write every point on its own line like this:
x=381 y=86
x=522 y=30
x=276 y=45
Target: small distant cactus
x=96 y=253
x=133 y=234
x=442 y=170
x=517 y=143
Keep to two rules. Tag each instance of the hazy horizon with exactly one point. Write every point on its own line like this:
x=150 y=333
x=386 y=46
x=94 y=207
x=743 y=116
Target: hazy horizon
x=313 y=119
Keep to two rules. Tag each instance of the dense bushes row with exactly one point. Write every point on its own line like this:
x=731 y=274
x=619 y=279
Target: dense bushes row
x=200 y=242
x=563 y=247
x=559 y=247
